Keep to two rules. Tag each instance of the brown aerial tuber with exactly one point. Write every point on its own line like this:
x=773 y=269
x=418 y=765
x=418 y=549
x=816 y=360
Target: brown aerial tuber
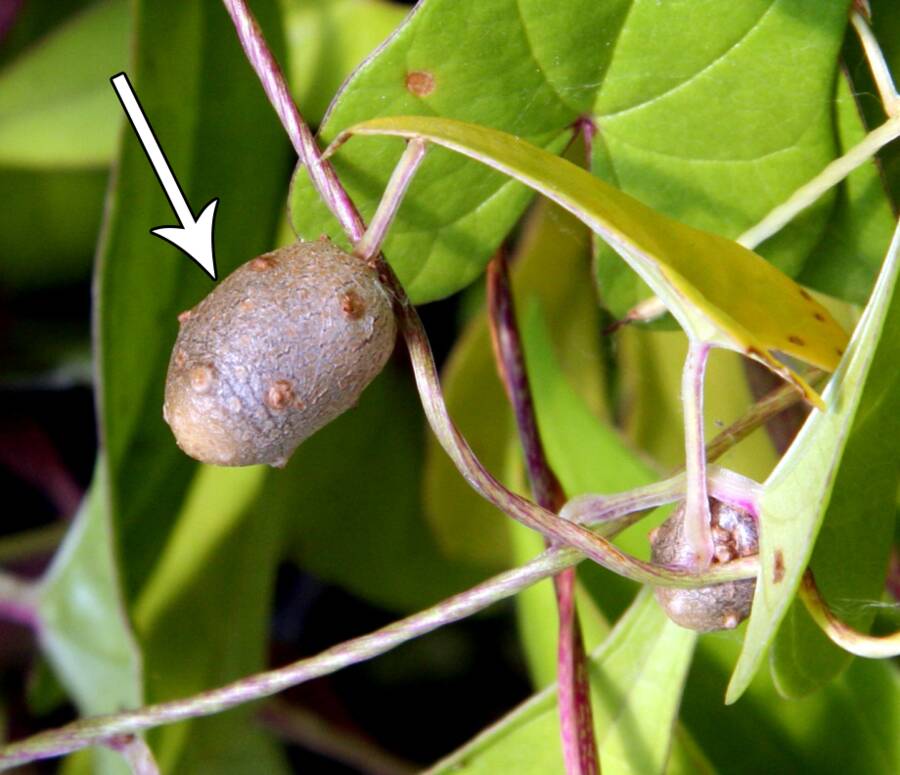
x=717 y=607
x=277 y=350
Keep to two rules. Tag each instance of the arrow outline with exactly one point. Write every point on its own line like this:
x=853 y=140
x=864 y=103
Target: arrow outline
x=196 y=219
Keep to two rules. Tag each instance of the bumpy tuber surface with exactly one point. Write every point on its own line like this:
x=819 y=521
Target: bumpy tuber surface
x=719 y=607
x=280 y=348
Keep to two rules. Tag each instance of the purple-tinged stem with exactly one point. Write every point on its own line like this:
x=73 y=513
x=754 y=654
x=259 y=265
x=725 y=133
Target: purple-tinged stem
x=510 y=360
x=18 y=601
x=321 y=172
x=136 y=752
x=28 y=452
x=697 y=521
x=574 y=698
x=108 y=730
x=369 y=246
x=624 y=509
x=103 y=729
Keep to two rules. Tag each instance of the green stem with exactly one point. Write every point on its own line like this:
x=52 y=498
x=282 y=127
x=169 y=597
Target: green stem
x=881 y=73
x=833 y=174
x=369 y=246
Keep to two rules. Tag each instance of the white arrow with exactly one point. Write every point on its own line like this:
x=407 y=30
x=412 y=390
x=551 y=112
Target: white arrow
x=194 y=237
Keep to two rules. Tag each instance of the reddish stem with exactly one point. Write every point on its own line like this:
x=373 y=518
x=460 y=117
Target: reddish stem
x=321 y=172
x=576 y=718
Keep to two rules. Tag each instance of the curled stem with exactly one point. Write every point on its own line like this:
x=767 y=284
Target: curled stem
x=574 y=698
x=849 y=639
x=550 y=525
x=105 y=729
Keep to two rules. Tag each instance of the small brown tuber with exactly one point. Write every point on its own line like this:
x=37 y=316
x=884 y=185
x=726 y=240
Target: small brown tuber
x=717 y=607
x=277 y=350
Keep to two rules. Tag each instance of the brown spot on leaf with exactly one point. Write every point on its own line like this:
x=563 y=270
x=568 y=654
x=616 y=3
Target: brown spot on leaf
x=778 y=571
x=352 y=305
x=805 y=295
x=262 y=263
x=794 y=339
x=280 y=394
x=839 y=351
x=420 y=83
x=819 y=316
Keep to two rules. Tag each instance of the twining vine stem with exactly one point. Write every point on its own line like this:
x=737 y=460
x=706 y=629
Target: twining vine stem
x=321 y=173
x=574 y=696
x=102 y=729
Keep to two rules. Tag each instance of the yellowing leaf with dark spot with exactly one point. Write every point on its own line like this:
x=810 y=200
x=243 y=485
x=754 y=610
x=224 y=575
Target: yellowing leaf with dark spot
x=719 y=291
